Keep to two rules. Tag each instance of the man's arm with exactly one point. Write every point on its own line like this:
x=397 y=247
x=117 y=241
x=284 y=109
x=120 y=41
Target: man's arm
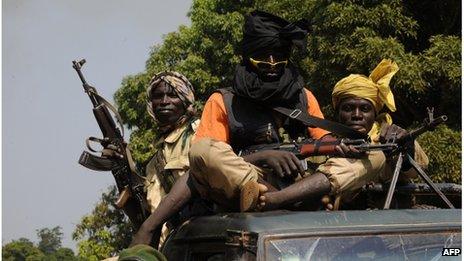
x=172 y=203
x=284 y=163
x=413 y=148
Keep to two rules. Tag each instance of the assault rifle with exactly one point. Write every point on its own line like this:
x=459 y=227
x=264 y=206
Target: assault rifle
x=311 y=147
x=132 y=198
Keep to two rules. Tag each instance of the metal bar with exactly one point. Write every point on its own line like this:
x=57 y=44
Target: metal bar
x=394 y=180
x=429 y=182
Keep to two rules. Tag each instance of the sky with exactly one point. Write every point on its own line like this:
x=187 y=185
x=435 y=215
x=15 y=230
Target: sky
x=46 y=116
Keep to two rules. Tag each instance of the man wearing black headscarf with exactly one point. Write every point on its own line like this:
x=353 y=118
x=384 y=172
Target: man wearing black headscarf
x=266 y=75
x=242 y=115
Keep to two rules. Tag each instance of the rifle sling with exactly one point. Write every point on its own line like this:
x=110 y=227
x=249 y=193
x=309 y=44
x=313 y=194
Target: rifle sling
x=315 y=122
x=317 y=145
x=110 y=106
x=164 y=176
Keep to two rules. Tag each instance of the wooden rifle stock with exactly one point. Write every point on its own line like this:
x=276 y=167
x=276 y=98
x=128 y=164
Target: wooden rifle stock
x=328 y=147
x=325 y=146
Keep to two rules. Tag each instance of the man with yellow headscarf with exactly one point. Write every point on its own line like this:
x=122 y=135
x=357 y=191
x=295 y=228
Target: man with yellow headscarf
x=358 y=101
x=361 y=103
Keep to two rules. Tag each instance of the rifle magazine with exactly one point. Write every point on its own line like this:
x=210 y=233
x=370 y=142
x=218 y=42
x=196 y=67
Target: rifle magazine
x=93 y=162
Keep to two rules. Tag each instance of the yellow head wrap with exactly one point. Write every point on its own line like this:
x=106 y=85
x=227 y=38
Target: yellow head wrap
x=374 y=88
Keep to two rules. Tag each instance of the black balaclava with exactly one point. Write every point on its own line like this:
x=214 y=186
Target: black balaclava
x=264 y=33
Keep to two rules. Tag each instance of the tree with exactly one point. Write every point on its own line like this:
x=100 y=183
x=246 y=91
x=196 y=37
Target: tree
x=49 y=248
x=21 y=250
x=423 y=37
x=105 y=231
x=50 y=239
x=62 y=254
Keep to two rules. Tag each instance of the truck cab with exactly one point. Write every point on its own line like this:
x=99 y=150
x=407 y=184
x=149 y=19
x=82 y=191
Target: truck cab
x=409 y=234
x=368 y=234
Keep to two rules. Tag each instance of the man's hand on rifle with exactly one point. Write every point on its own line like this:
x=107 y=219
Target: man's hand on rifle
x=111 y=152
x=349 y=151
x=391 y=133
x=283 y=163
x=344 y=150
x=394 y=133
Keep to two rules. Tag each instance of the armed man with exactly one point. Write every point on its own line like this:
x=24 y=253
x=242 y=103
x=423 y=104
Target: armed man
x=358 y=102
x=265 y=78
x=245 y=115
x=170 y=102
x=171 y=105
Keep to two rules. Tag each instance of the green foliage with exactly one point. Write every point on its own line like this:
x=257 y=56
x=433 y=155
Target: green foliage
x=139 y=142
x=443 y=147
x=62 y=254
x=105 y=231
x=98 y=248
x=353 y=36
x=132 y=101
x=21 y=249
x=48 y=249
x=443 y=60
x=50 y=239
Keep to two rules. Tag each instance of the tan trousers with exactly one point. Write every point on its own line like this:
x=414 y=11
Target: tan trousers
x=347 y=175
x=218 y=172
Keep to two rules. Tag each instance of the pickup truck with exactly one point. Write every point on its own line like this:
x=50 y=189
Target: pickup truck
x=393 y=234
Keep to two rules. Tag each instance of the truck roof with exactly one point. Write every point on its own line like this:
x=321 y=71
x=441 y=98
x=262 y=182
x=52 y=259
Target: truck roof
x=290 y=221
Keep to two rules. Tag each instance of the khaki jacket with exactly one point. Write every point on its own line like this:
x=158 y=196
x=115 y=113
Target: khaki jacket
x=175 y=151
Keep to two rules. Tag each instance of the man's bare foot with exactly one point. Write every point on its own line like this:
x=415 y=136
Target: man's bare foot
x=267 y=201
x=251 y=196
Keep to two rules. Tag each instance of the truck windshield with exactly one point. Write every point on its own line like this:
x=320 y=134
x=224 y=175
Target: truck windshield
x=407 y=246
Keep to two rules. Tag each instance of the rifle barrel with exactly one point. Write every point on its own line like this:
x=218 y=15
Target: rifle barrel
x=428 y=126
x=368 y=147
x=77 y=65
